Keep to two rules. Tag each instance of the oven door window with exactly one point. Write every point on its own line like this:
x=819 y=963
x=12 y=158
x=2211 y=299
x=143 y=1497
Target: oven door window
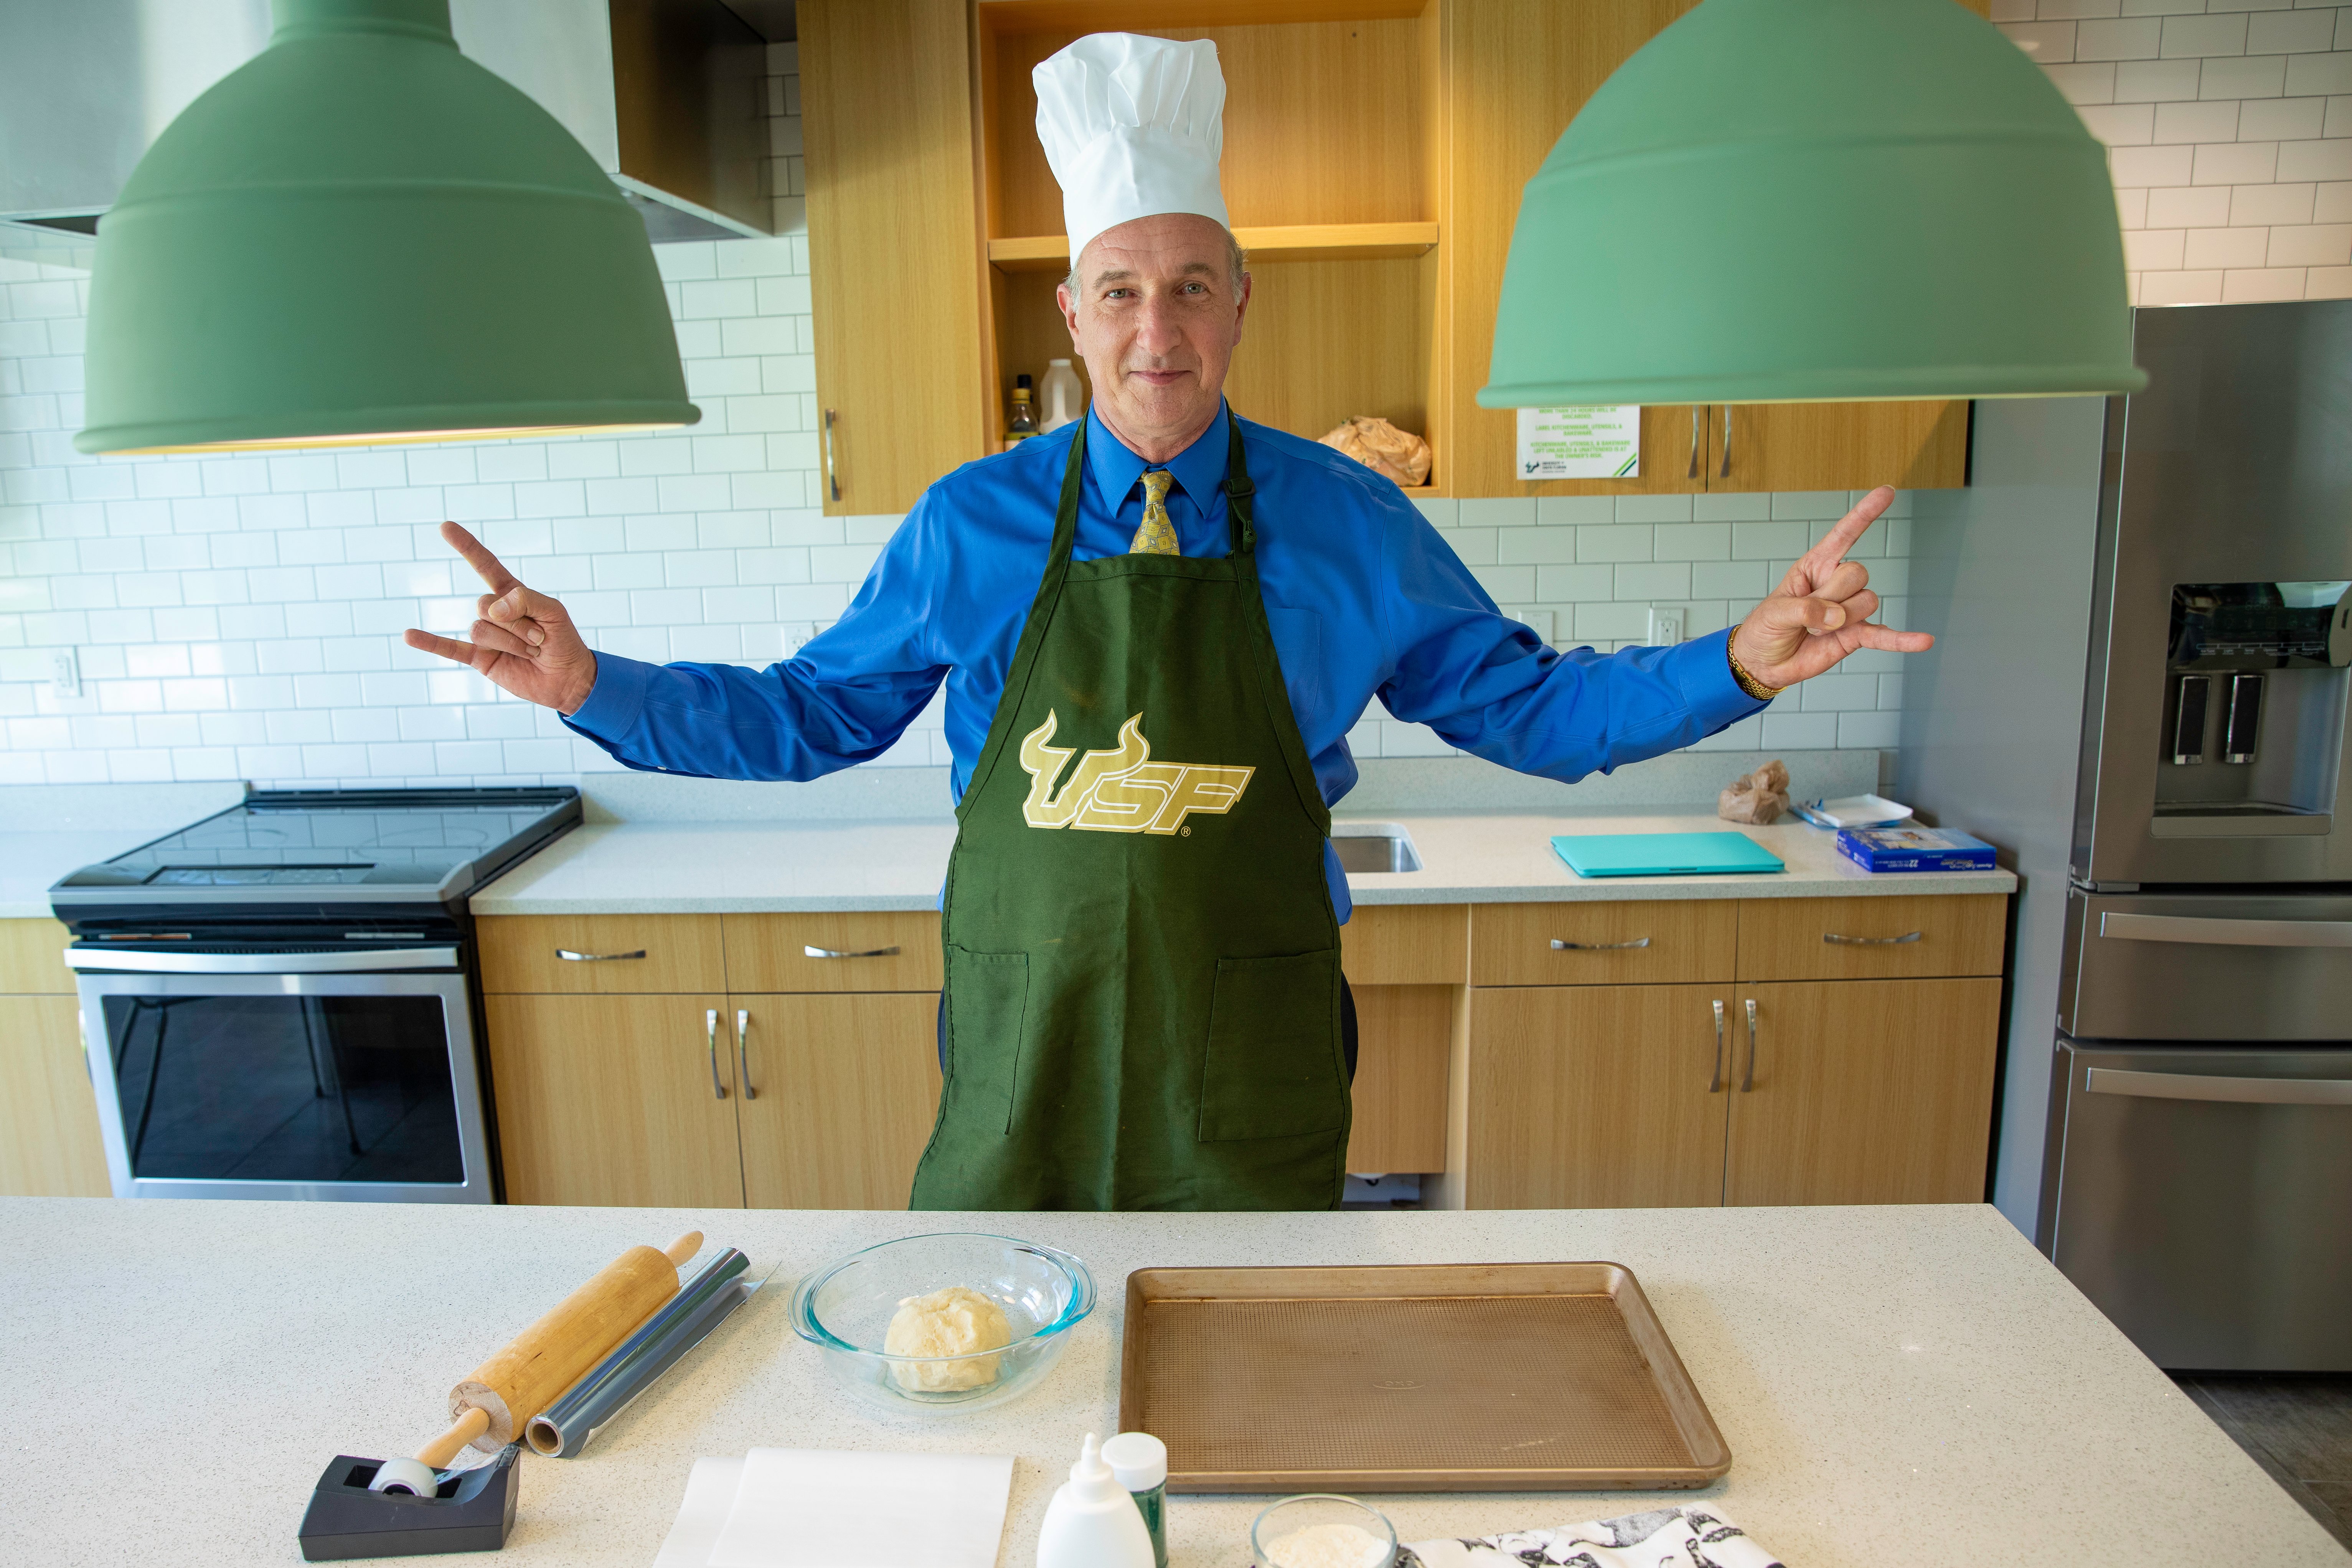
x=284 y=1088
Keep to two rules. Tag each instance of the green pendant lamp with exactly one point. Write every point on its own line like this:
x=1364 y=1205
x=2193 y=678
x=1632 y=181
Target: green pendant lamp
x=361 y=236
x=1802 y=200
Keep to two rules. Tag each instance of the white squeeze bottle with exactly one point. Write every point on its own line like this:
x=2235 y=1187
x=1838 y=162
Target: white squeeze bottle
x=1093 y=1523
x=1062 y=400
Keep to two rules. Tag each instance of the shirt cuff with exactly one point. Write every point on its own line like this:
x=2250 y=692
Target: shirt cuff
x=1702 y=671
x=616 y=700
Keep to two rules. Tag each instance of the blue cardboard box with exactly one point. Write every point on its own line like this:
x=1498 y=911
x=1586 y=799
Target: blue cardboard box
x=1910 y=847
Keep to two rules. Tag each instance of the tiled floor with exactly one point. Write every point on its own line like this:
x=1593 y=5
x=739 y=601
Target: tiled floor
x=2297 y=1428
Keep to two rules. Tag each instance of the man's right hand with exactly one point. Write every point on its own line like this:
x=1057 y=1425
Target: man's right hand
x=522 y=641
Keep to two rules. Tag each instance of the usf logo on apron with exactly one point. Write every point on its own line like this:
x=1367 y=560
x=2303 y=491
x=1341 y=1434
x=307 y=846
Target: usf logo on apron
x=1144 y=1013
x=1122 y=791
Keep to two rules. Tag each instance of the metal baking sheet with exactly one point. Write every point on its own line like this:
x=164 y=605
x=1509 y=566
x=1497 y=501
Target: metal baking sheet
x=1456 y=1377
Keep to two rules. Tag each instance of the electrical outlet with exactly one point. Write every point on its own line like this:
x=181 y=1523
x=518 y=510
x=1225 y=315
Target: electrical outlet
x=1665 y=627
x=65 y=673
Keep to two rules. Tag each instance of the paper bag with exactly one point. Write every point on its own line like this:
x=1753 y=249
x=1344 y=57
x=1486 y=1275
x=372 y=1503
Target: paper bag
x=1759 y=797
x=1403 y=455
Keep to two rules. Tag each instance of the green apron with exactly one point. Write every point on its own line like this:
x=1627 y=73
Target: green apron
x=1142 y=960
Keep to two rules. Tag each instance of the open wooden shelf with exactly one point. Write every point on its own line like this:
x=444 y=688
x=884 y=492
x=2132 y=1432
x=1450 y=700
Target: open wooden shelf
x=1295 y=242
x=1146 y=16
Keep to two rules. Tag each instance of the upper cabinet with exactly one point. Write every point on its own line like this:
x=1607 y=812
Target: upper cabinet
x=886 y=131
x=1374 y=153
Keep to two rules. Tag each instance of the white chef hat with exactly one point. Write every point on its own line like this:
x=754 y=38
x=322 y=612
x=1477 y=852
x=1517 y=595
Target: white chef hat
x=1132 y=127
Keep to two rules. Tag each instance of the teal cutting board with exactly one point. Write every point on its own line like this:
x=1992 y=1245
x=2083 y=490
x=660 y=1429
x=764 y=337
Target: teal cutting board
x=1662 y=854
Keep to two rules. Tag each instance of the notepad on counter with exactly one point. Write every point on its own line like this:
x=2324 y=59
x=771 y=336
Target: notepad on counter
x=1662 y=854
x=1913 y=848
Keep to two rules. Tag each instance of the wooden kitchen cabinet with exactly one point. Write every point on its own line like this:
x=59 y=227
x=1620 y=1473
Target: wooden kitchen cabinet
x=839 y=1095
x=32 y=959
x=1374 y=155
x=1594 y=1097
x=894 y=244
x=1838 y=445
x=1404 y=1037
x=1870 y=1091
x=1869 y=1078
x=50 y=1141
x=887 y=949
x=601 y=955
x=606 y=1071
x=1871 y=937
x=616 y=1100
x=1406 y=944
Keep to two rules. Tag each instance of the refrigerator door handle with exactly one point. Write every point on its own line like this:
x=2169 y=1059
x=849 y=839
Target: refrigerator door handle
x=2201 y=1086
x=2224 y=932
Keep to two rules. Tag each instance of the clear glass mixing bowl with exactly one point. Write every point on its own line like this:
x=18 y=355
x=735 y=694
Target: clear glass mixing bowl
x=844 y=1310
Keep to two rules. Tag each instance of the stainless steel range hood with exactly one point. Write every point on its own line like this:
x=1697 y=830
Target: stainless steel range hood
x=666 y=95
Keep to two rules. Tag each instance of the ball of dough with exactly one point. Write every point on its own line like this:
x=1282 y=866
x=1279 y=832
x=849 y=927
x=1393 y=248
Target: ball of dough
x=953 y=1321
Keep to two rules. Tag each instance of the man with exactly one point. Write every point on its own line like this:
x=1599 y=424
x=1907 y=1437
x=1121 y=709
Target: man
x=1155 y=628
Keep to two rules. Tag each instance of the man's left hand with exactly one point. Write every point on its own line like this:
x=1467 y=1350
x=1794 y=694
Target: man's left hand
x=1821 y=611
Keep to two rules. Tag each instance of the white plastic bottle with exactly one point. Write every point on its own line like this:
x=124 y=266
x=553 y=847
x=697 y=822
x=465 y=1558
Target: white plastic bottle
x=1092 y=1522
x=1062 y=400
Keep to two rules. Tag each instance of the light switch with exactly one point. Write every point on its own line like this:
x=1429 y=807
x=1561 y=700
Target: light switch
x=1665 y=627
x=65 y=673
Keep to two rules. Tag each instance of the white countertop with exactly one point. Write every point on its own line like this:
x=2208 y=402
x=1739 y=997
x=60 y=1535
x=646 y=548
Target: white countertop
x=1897 y=1385
x=31 y=863
x=634 y=868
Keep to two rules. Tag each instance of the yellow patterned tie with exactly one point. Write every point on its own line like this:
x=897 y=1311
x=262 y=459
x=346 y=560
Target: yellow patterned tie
x=1158 y=534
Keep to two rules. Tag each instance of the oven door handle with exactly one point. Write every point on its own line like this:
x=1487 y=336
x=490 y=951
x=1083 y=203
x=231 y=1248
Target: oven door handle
x=2237 y=1091
x=123 y=960
x=2116 y=924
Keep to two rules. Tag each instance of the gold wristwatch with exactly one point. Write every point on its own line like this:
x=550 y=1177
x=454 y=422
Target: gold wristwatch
x=1748 y=683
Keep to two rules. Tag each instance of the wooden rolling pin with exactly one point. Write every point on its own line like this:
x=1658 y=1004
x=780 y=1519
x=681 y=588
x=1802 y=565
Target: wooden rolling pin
x=505 y=1392
x=548 y=1357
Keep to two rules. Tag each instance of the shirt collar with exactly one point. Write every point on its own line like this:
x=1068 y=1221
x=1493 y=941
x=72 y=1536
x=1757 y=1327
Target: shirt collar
x=1200 y=469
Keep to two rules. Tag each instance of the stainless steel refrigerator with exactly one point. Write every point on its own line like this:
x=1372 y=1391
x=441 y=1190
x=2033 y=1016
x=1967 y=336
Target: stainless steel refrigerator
x=2176 y=593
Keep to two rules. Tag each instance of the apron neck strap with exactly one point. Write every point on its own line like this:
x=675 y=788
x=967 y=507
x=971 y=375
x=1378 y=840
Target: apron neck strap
x=1240 y=519
x=1065 y=513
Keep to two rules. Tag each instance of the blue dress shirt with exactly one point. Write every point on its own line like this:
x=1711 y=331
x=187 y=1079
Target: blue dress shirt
x=1363 y=597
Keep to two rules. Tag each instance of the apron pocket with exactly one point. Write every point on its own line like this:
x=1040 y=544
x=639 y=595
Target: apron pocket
x=1273 y=1065
x=988 y=995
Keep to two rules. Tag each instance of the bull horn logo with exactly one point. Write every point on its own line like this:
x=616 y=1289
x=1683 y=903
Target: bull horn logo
x=1121 y=791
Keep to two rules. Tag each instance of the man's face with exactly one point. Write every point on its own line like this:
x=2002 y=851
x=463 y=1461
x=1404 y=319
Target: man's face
x=1155 y=313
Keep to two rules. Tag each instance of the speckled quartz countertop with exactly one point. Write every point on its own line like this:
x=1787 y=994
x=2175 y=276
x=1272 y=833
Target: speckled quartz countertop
x=30 y=863
x=1897 y=1385
x=1466 y=857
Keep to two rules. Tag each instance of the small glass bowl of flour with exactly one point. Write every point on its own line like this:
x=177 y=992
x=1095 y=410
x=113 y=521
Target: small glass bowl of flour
x=1321 y=1530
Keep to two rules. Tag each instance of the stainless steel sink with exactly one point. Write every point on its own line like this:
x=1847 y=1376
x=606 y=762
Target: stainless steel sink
x=1374 y=846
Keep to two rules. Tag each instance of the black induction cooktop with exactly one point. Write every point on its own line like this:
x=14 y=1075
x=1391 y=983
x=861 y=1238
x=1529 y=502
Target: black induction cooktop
x=286 y=848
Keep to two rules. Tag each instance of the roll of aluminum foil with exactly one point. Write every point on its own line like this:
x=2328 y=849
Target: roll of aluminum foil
x=564 y=1427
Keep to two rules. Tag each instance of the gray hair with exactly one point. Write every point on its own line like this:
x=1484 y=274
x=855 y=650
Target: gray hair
x=1236 y=263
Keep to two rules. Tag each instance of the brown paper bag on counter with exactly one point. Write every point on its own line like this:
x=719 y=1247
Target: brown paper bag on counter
x=1759 y=797
x=1380 y=446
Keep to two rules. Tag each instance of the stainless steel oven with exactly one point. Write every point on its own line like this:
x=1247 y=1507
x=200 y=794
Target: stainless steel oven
x=279 y=1000
x=347 y=1075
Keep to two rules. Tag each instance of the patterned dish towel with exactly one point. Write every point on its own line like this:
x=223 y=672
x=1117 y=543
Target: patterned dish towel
x=1690 y=1537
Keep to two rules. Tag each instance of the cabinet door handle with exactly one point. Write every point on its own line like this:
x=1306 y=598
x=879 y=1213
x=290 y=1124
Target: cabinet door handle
x=830 y=953
x=710 y=1030
x=1749 y=1081
x=1844 y=940
x=1724 y=472
x=1715 y=1080
x=569 y=957
x=743 y=1053
x=1695 y=443
x=831 y=474
x=1560 y=946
